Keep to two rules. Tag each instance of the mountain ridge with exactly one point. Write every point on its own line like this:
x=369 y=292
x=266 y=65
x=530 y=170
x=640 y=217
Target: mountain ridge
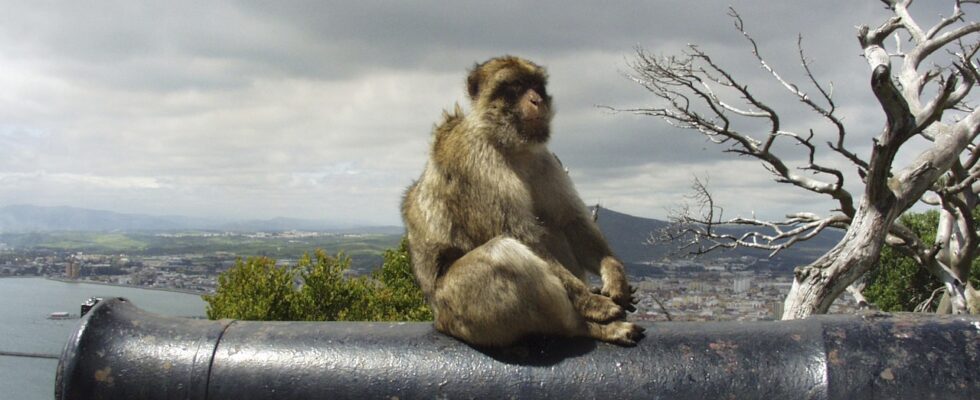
x=629 y=238
x=628 y=235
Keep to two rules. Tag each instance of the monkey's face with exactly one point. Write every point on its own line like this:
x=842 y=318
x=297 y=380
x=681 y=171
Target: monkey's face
x=513 y=90
x=526 y=106
x=534 y=111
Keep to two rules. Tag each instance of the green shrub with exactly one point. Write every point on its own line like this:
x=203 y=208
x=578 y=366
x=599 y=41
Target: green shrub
x=317 y=288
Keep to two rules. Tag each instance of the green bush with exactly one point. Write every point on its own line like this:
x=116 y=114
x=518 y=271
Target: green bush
x=317 y=288
x=899 y=283
x=398 y=297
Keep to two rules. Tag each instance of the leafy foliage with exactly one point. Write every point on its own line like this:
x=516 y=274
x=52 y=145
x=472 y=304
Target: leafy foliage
x=899 y=283
x=255 y=289
x=398 y=296
x=317 y=288
x=326 y=294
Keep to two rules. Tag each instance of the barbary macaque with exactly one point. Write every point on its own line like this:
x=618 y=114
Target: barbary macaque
x=500 y=241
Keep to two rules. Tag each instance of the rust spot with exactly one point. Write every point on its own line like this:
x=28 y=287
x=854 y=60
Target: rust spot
x=722 y=346
x=726 y=350
x=887 y=374
x=167 y=365
x=104 y=375
x=797 y=337
x=839 y=334
x=903 y=330
x=687 y=352
x=834 y=358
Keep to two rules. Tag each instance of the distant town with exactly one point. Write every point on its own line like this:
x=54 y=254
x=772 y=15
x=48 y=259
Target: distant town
x=726 y=288
x=180 y=261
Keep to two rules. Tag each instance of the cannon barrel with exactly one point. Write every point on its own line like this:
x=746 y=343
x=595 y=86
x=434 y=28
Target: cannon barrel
x=122 y=352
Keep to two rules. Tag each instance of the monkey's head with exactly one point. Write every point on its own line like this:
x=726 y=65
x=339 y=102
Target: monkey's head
x=510 y=91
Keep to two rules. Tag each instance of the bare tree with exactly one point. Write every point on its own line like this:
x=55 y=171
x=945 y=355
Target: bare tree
x=699 y=94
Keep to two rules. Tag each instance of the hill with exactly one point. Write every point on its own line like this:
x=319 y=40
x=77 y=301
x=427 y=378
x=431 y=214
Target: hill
x=629 y=235
x=29 y=218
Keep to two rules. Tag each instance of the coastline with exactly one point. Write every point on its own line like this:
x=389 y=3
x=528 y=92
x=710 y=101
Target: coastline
x=173 y=290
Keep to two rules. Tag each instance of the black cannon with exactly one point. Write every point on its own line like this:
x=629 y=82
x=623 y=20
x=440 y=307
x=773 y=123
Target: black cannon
x=122 y=352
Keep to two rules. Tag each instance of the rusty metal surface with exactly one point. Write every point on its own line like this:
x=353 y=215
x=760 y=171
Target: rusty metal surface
x=903 y=356
x=122 y=352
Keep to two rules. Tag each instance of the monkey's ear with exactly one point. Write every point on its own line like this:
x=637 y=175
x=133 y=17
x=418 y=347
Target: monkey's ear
x=473 y=82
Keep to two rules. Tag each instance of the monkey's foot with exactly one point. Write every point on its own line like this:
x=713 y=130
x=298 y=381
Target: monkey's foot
x=621 y=294
x=618 y=332
x=600 y=308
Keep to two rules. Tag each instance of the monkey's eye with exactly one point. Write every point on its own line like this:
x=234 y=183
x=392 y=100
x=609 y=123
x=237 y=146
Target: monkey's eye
x=540 y=89
x=510 y=92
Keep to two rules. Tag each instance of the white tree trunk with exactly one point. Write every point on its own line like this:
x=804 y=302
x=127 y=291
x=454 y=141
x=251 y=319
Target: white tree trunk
x=971 y=301
x=688 y=86
x=817 y=285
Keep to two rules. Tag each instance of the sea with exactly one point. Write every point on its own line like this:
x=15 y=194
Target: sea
x=26 y=303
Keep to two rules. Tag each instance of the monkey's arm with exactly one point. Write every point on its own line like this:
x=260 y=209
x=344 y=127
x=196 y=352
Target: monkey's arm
x=430 y=260
x=594 y=254
x=425 y=267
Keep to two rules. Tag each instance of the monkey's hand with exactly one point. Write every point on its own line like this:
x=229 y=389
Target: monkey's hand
x=614 y=284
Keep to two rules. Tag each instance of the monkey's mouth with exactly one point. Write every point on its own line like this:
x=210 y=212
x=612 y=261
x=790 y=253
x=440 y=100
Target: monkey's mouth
x=541 y=117
x=536 y=130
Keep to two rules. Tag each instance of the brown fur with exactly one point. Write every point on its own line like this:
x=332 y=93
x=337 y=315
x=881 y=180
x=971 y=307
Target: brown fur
x=500 y=240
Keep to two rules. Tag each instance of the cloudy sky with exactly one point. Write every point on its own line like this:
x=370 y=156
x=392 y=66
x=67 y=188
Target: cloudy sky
x=323 y=110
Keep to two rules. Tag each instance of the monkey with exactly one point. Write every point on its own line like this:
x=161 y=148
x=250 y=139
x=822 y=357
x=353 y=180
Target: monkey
x=500 y=241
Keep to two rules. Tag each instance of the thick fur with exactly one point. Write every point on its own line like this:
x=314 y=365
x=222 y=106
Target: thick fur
x=500 y=240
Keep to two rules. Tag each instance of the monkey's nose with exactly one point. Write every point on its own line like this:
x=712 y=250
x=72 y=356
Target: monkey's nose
x=535 y=98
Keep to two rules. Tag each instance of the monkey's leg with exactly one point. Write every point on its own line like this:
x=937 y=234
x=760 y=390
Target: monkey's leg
x=598 y=310
x=594 y=254
x=619 y=332
x=502 y=291
x=592 y=306
x=614 y=283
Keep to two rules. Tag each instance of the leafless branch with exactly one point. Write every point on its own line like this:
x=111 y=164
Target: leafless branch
x=926 y=305
x=663 y=308
x=701 y=228
x=689 y=87
x=696 y=92
x=857 y=291
x=946 y=21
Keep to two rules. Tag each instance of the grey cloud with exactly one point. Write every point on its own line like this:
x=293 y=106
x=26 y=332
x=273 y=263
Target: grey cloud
x=249 y=107
x=146 y=43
